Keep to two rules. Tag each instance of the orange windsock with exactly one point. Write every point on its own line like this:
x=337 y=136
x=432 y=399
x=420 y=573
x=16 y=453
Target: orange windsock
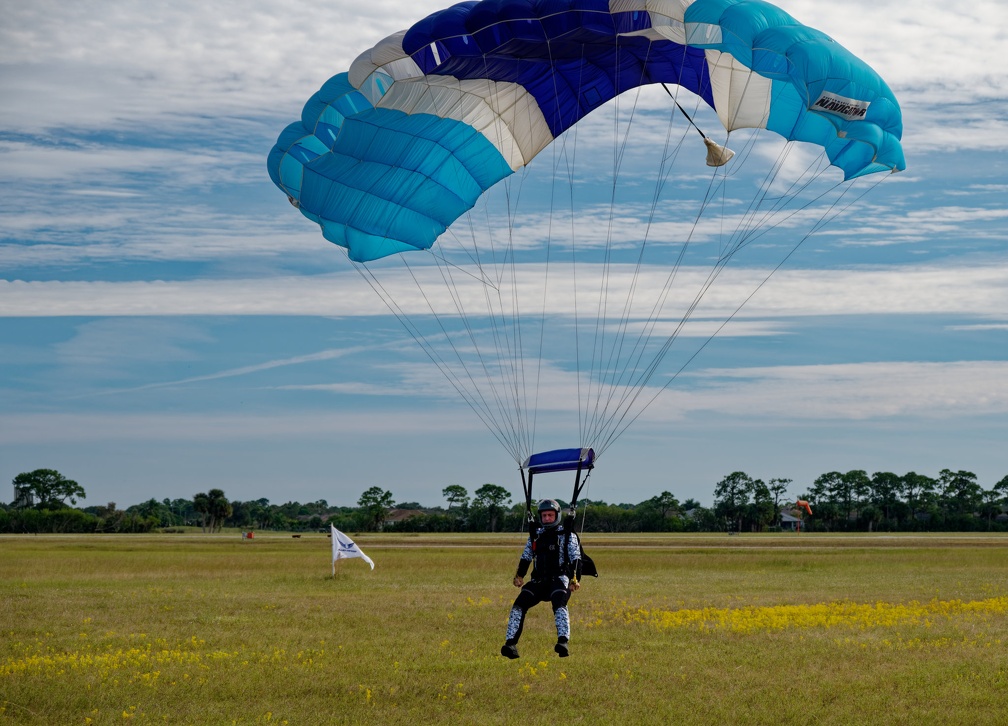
x=802 y=504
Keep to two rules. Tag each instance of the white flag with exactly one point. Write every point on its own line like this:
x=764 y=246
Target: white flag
x=343 y=547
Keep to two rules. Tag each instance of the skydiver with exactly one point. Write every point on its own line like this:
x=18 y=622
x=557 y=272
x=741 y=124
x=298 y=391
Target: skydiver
x=555 y=554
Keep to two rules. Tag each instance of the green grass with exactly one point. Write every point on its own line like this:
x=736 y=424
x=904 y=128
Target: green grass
x=680 y=629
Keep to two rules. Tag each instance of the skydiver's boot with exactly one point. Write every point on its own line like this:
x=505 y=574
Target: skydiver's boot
x=563 y=630
x=516 y=620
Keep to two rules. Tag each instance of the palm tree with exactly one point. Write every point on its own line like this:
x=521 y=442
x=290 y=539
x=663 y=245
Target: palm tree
x=201 y=505
x=219 y=508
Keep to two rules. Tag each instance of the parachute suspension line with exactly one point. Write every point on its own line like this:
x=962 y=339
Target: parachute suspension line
x=631 y=393
x=495 y=325
x=824 y=220
x=594 y=400
x=610 y=370
x=557 y=153
x=571 y=160
x=617 y=383
x=507 y=335
x=732 y=248
x=756 y=224
x=627 y=400
x=573 y=247
x=627 y=403
x=598 y=375
x=507 y=338
x=508 y=423
x=473 y=338
x=446 y=272
x=483 y=412
x=480 y=278
x=748 y=229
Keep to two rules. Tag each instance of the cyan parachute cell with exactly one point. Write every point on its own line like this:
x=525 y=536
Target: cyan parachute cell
x=388 y=154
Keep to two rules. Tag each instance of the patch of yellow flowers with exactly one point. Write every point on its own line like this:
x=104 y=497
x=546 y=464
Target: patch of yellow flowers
x=145 y=661
x=848 y=615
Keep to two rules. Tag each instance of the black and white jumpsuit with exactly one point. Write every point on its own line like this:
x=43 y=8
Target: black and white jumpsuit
x=556 y=555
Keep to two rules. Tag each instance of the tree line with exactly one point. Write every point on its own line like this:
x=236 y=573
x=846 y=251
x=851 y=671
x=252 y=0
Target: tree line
x=854 y=501
x=839 y=501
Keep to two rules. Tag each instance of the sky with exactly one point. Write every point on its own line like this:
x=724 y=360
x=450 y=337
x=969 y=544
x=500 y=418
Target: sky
x=169 y=324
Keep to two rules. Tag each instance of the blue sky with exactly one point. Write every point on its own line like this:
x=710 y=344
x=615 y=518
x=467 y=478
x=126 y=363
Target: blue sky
x=169 y=324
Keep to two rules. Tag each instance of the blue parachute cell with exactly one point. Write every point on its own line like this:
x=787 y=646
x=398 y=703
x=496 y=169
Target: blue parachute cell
x=389 y=154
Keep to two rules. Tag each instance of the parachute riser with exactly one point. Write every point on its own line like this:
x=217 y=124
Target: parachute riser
x=530 y=515
x=578 y=486
x=530 y=518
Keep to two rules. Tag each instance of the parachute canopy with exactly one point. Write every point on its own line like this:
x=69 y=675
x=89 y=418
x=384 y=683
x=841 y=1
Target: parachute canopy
x=387 y=155
x=574 y=294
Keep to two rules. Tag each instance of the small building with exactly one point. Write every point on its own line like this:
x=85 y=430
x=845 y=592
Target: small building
x=789 y=522
x=398 y=515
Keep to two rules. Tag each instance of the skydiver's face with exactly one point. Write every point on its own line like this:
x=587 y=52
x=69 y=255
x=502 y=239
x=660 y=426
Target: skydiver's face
x=548 y=516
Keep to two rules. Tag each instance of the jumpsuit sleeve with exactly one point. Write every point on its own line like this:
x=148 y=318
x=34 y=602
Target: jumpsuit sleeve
x=574 y=557
x=526 y=559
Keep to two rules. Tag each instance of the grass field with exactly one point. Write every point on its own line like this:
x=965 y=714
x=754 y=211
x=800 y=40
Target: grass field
x=687 y=629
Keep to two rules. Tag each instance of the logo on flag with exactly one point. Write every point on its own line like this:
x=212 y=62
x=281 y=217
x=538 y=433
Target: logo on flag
x=343 y=548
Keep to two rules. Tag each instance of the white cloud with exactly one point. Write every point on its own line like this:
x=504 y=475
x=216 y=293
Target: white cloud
x=942 y=51
x=132 y=160
x=846 y=392
x=111 y=343
x=830 y=393
x=323 y=355
x=979 y=291
x=98 y=64
x=62 y=428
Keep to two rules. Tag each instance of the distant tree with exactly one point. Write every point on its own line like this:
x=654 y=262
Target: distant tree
x=375 y=502
x=666 y=503
x=857 y=488
x=46 y=489
x=183 y=509
x=828 y=494
x=991 y=505
x=492 y=499
x=959 y=491
x=761 y=511
x=731 y=495
x=241 y=514
x=153 y=510
x=456 y=495
x=201 y=505
x=657 y=514
x=885 y=491
x=219 y=509
x=917 y=489
x=778 y=490
x=1001 y=488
